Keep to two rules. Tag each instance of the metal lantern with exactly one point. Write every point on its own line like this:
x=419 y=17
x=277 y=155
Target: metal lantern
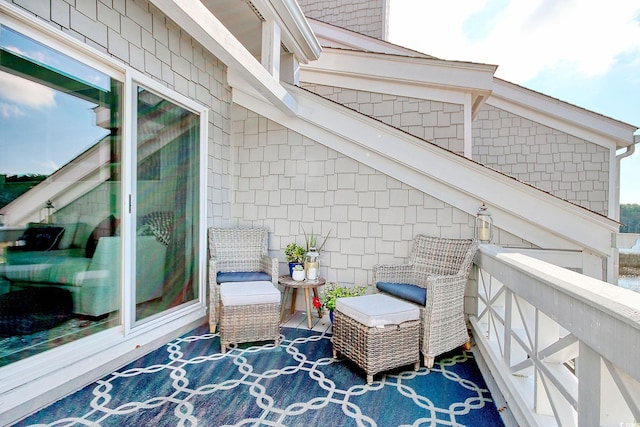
x=484 y=225
x=312 y=265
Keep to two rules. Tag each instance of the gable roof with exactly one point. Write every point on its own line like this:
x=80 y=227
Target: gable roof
x=527 y=103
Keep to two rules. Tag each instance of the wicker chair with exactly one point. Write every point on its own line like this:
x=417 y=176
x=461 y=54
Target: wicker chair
x=441 y=266
x=236 y=250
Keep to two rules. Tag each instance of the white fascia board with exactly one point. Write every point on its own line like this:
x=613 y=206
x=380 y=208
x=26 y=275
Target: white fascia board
x=297 y=36
x=333 y=36
x=194 y=18
x=557 y=114
x=520 y=209
x=461 y=76
x=390 y=87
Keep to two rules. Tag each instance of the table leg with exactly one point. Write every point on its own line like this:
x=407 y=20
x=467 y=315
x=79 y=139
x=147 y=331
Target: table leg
x=306 y=301
x=293 y=299
x=315 y=294
x=284 y=302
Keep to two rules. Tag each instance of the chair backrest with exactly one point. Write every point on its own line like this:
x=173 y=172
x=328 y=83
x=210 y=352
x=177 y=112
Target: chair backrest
x=238 y=249
x=441 y=256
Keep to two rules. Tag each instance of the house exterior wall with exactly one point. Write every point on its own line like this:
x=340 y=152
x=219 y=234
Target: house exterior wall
x=286 y=182
x=439 y=122
x=368 y=17
x=568 y=167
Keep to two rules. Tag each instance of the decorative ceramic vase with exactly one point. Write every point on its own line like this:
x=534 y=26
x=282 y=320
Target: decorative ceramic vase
x=297 y=275
x=293 y=264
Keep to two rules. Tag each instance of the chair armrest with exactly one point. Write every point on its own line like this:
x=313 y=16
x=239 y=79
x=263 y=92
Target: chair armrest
x=270 y=266
x=444 y=287
x=393 y=273
x=443 y=322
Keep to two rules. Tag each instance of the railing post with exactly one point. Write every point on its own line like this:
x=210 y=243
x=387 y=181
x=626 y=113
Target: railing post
x=600 y=401
x=508 y=323
x=546 y=333
x=589 y=371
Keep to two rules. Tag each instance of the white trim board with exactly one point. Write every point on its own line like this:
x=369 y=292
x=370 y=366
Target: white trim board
x=454 y=75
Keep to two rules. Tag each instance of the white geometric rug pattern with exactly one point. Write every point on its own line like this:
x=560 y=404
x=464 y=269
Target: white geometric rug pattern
x=189 y=382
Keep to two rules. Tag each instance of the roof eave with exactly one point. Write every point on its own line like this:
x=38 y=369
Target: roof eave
x=202 y=25
x=299 y=37
x=385 y=72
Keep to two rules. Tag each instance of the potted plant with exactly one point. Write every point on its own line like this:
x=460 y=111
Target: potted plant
x=295 y=255
x=311 y=241
x=332 y=292
x=298 y=273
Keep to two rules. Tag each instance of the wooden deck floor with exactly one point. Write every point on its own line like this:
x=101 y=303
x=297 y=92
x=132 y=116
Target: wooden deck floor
x=299 y=320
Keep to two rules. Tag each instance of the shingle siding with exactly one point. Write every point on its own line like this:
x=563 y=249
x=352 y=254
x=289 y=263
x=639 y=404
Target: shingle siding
x=561 y=164
x=564 y=165
x=437 y=122
x=363 y=16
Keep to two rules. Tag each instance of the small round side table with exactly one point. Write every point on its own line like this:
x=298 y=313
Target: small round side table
x=293 y=285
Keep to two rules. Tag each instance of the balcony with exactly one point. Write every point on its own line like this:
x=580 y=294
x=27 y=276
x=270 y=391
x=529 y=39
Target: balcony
x=556 y=348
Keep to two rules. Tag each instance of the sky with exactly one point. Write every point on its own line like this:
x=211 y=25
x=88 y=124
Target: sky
x=586 y=53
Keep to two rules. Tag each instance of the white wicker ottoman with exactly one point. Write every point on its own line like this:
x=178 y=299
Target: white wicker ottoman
x=249 y=311
x=377 y=332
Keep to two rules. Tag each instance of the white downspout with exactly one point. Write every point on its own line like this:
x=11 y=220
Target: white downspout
x=614 y=261
x=629 y=151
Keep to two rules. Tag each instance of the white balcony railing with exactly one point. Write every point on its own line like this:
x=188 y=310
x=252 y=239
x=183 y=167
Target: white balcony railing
x=563 y=348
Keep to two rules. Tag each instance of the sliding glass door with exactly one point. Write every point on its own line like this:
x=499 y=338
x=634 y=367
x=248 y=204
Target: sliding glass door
x=167 y=205
x=79 y=238
x=60 y=198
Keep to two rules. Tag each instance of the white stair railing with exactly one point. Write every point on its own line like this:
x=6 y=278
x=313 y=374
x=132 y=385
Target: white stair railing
x=563 y=348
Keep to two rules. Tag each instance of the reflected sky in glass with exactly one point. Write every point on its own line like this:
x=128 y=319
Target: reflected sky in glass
x=38 y=53
x=42 y=128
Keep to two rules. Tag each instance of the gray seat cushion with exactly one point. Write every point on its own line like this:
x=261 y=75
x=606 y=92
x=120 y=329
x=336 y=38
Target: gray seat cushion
x=406 y=291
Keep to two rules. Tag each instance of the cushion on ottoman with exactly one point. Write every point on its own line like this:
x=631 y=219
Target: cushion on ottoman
x=377 y=310
x=248 y=293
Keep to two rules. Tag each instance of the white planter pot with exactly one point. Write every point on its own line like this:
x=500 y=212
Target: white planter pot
x=298 y=275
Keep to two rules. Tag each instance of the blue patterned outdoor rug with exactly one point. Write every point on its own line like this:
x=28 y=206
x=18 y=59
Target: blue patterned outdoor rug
x=189 y=383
